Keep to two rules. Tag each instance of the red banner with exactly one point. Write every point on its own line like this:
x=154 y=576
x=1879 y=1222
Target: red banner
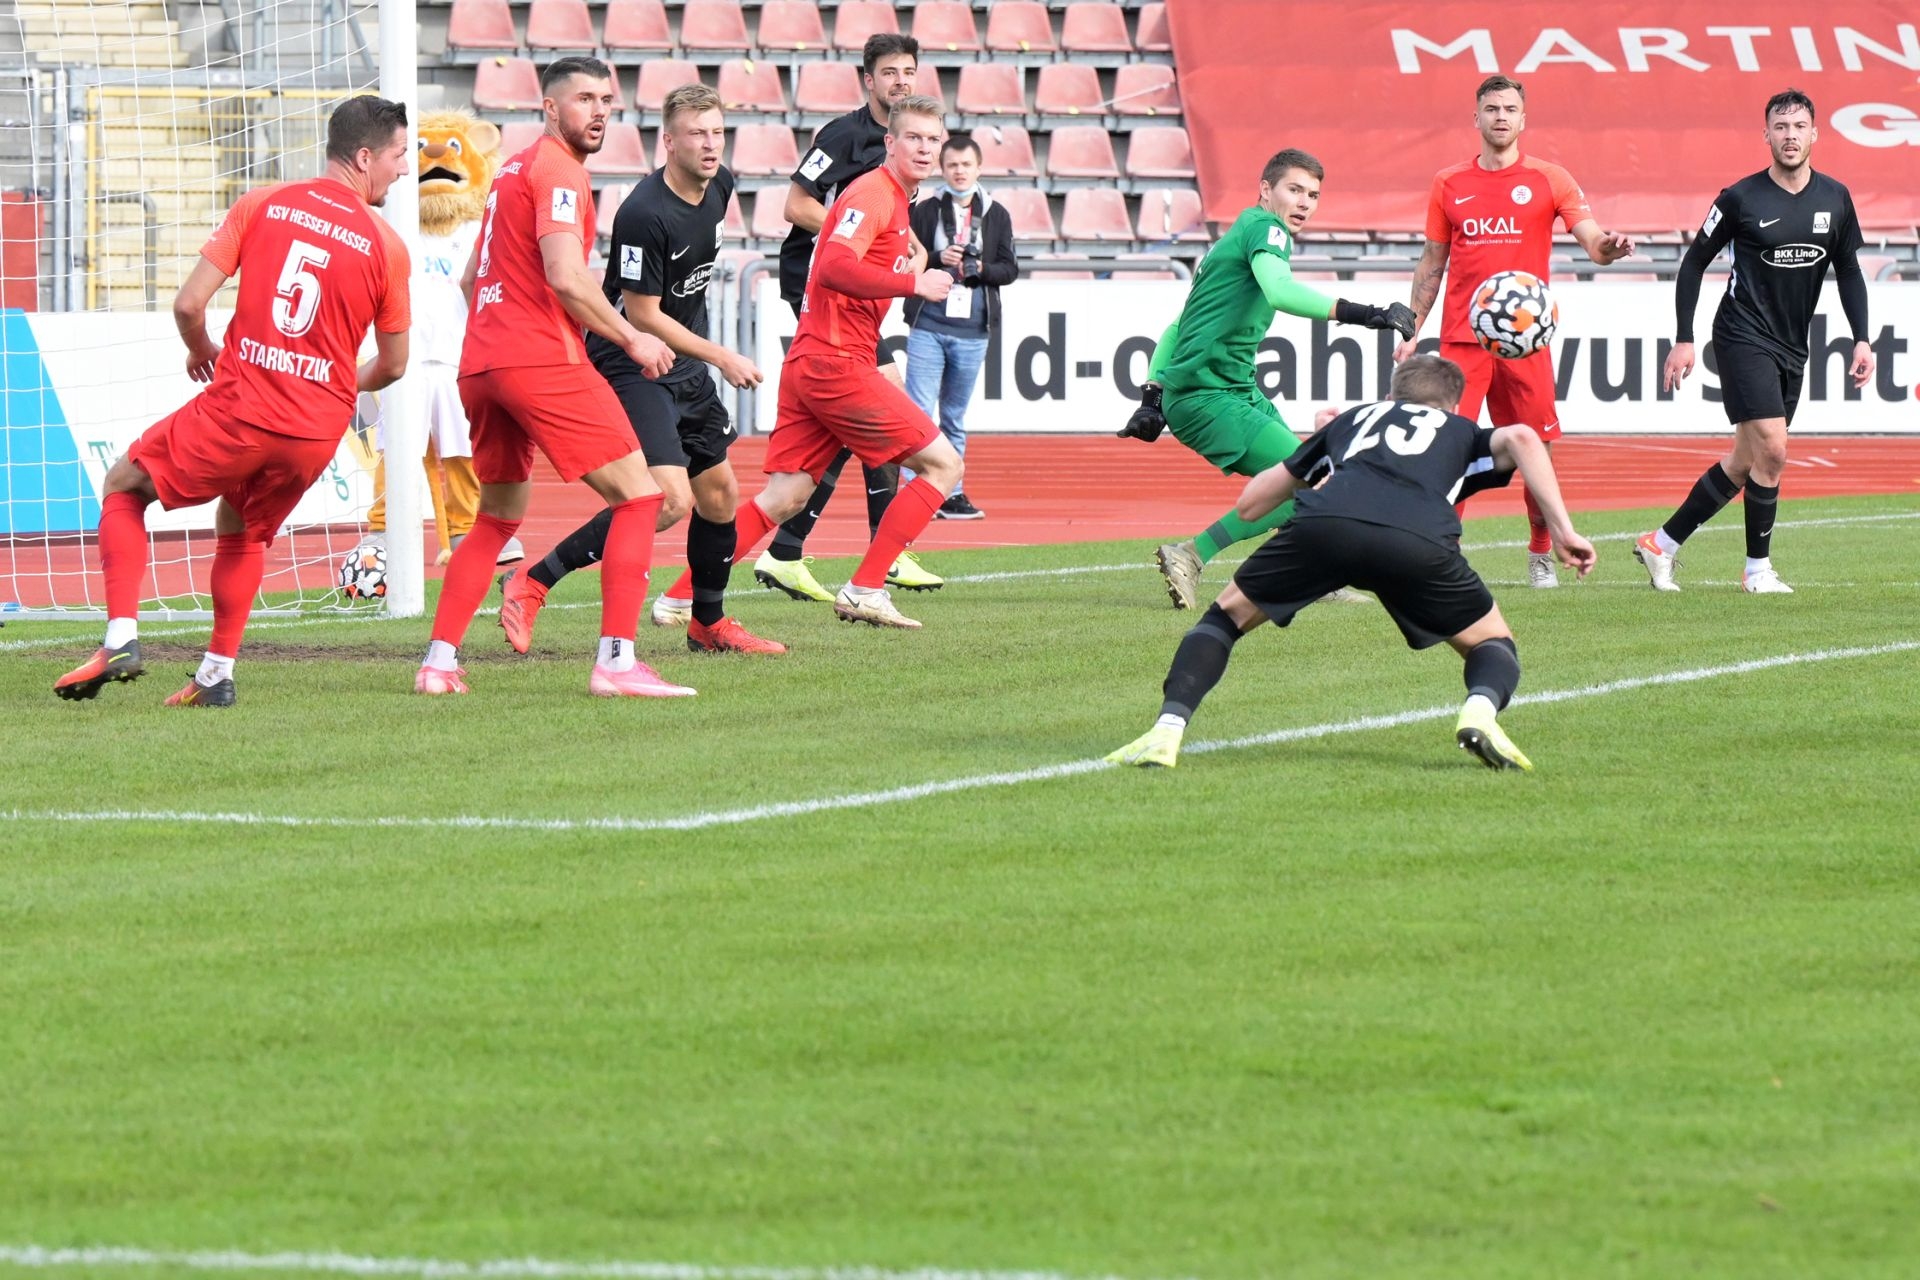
x=1652 y=107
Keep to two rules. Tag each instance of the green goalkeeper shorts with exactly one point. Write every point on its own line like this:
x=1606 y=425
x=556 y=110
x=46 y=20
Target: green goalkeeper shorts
x=1239 y=432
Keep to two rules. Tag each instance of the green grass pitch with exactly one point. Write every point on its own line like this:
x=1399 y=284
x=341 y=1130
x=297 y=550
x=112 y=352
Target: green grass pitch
x=1343 y=1006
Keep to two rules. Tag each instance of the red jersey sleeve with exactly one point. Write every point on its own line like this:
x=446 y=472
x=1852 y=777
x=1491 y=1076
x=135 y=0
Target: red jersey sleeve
x=1569 y=201
x=860 y=216
x=223 y=248
x=1438 y=228
x=396 y=300
x=562 y=200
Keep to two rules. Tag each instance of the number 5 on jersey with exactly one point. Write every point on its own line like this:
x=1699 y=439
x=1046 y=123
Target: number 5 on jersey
x=299 y=288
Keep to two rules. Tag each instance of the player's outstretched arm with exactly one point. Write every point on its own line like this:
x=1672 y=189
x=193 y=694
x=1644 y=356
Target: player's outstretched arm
x=190 y=317
x=1265 y=492
x=389 y=361
x=579 y=293
x=643 y=310
x=1519 y=447
x=1604 y=247
x=1426 y=291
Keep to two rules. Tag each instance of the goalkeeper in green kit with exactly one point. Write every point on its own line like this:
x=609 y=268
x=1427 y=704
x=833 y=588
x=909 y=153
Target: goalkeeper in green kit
x=1201 y=381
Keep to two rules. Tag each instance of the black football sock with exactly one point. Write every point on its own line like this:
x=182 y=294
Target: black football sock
x=882 y=483
x=710 y=561
x=1199 y=663
x=790 y=539
x=1763 y=503
x=1712 y=491
x=1493 y=671
x=583 y=547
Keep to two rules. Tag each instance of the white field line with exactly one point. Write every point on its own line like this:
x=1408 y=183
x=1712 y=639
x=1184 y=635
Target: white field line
x=1065 y=571
x=41 y=1258
x=922 y=790
x=160 y=633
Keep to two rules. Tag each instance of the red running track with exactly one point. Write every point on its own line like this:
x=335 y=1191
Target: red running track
x=1046 y=489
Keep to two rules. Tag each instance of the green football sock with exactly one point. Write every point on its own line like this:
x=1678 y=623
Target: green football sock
x=1230 y=528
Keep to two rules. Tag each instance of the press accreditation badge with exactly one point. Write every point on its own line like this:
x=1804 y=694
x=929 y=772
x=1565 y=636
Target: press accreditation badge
x=960 y=303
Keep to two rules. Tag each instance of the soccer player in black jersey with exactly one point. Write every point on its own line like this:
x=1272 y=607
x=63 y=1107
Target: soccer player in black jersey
x=665 y=238
x=1384 y=521
x=1785 y=225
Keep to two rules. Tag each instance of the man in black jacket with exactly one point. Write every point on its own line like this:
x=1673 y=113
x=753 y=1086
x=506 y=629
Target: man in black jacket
x=971 y=236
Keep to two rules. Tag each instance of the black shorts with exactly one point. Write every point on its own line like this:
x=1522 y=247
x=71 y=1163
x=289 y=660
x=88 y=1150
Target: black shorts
x=1753 y=382
x=1429 y=589
x=678 y=424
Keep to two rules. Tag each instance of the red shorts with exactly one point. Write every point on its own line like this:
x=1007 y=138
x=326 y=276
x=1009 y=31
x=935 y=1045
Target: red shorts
x=568 y=410
x=195 y=456
x=1517 y=393
x=827 y=404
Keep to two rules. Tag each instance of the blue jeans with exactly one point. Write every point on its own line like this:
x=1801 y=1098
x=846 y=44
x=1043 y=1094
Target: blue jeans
x=941 y=371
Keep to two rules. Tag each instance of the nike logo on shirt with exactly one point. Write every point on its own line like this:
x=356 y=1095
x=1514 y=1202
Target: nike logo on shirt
x=676 y=257
x=1464 y=199
x=1769 y=222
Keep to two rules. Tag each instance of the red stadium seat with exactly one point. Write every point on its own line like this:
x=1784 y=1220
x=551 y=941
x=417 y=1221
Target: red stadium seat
x=1160 y=152
x=1006 y=151
x=619 y=94
x=1084 y=152
x=735 y=226
x=713 y=24
x=1096 y=213
x=1020 y=26
x=855 y=20
x=945 y=27
x=1146 y=89
x=769 y=215
x=991 y=89
x=506 y=84
x=606 y=203
x=1068 y=89
x=620 y=153
x=764 y=151
x=1095 y=28
x=636 y=26
x=658 y=78
x=560 y=27
x=791 y=26
x=828 y=88
x=936 y=84
x=1031 y=216
x=480 y=28
x=752 y=86
x=1172 y=213
x=1154 y=36
x=517 y=135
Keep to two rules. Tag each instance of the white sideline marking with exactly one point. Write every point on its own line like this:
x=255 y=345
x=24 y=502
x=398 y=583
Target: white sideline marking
x=161 y=633
x=947 y=786
x=42 y=1258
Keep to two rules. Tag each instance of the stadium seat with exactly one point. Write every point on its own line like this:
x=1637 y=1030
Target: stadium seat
x=621 y=153
x=1172 y=213
x=708 y=25
x=1020 y=27
x=1154 y=36
x=752 y=86
x=935 y=83
x=827 y=88
x=506 y=84
x=1145 y=89
x=1006 y=151
x=606 y=203
x=769 y=215
x=479 y=29
x=991 y=89
x=517 y=135
x=619 y=93
x=855 y=20
x=735 y=225
x=1066 y=89
x=557 y=27
x=1032 y=218
x=1160 y=152
x=1096 y=213
x=791 y=26
x=636 y=27
x=1096 y=33
x=1083 y=153
x=945 y=30
x=658 y=78
x=764 y=151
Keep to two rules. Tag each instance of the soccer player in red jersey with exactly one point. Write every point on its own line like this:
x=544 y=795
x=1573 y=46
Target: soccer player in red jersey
x=1495 y=213
x=526 y=382
x=316 y=267
x=831 y=396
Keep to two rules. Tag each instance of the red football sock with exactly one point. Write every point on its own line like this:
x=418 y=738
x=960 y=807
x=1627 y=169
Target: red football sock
x=750 y=525
x=468 y=576
x=123 y=551
x=238 y=565
x=1538 y=539
x=623 y=569
x=908 y=516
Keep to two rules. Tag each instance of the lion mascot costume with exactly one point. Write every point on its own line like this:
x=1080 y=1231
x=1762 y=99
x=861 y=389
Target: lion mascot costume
x=458 y=155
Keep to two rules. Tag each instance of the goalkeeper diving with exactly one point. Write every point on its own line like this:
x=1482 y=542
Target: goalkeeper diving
x=1201 y=382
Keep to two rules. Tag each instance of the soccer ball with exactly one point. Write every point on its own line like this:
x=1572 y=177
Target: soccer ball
x=363 y=572
x=1513 y=315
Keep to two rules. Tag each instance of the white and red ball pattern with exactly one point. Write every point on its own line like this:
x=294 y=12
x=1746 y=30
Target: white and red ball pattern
x=363 y=572
x=1513 y=314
